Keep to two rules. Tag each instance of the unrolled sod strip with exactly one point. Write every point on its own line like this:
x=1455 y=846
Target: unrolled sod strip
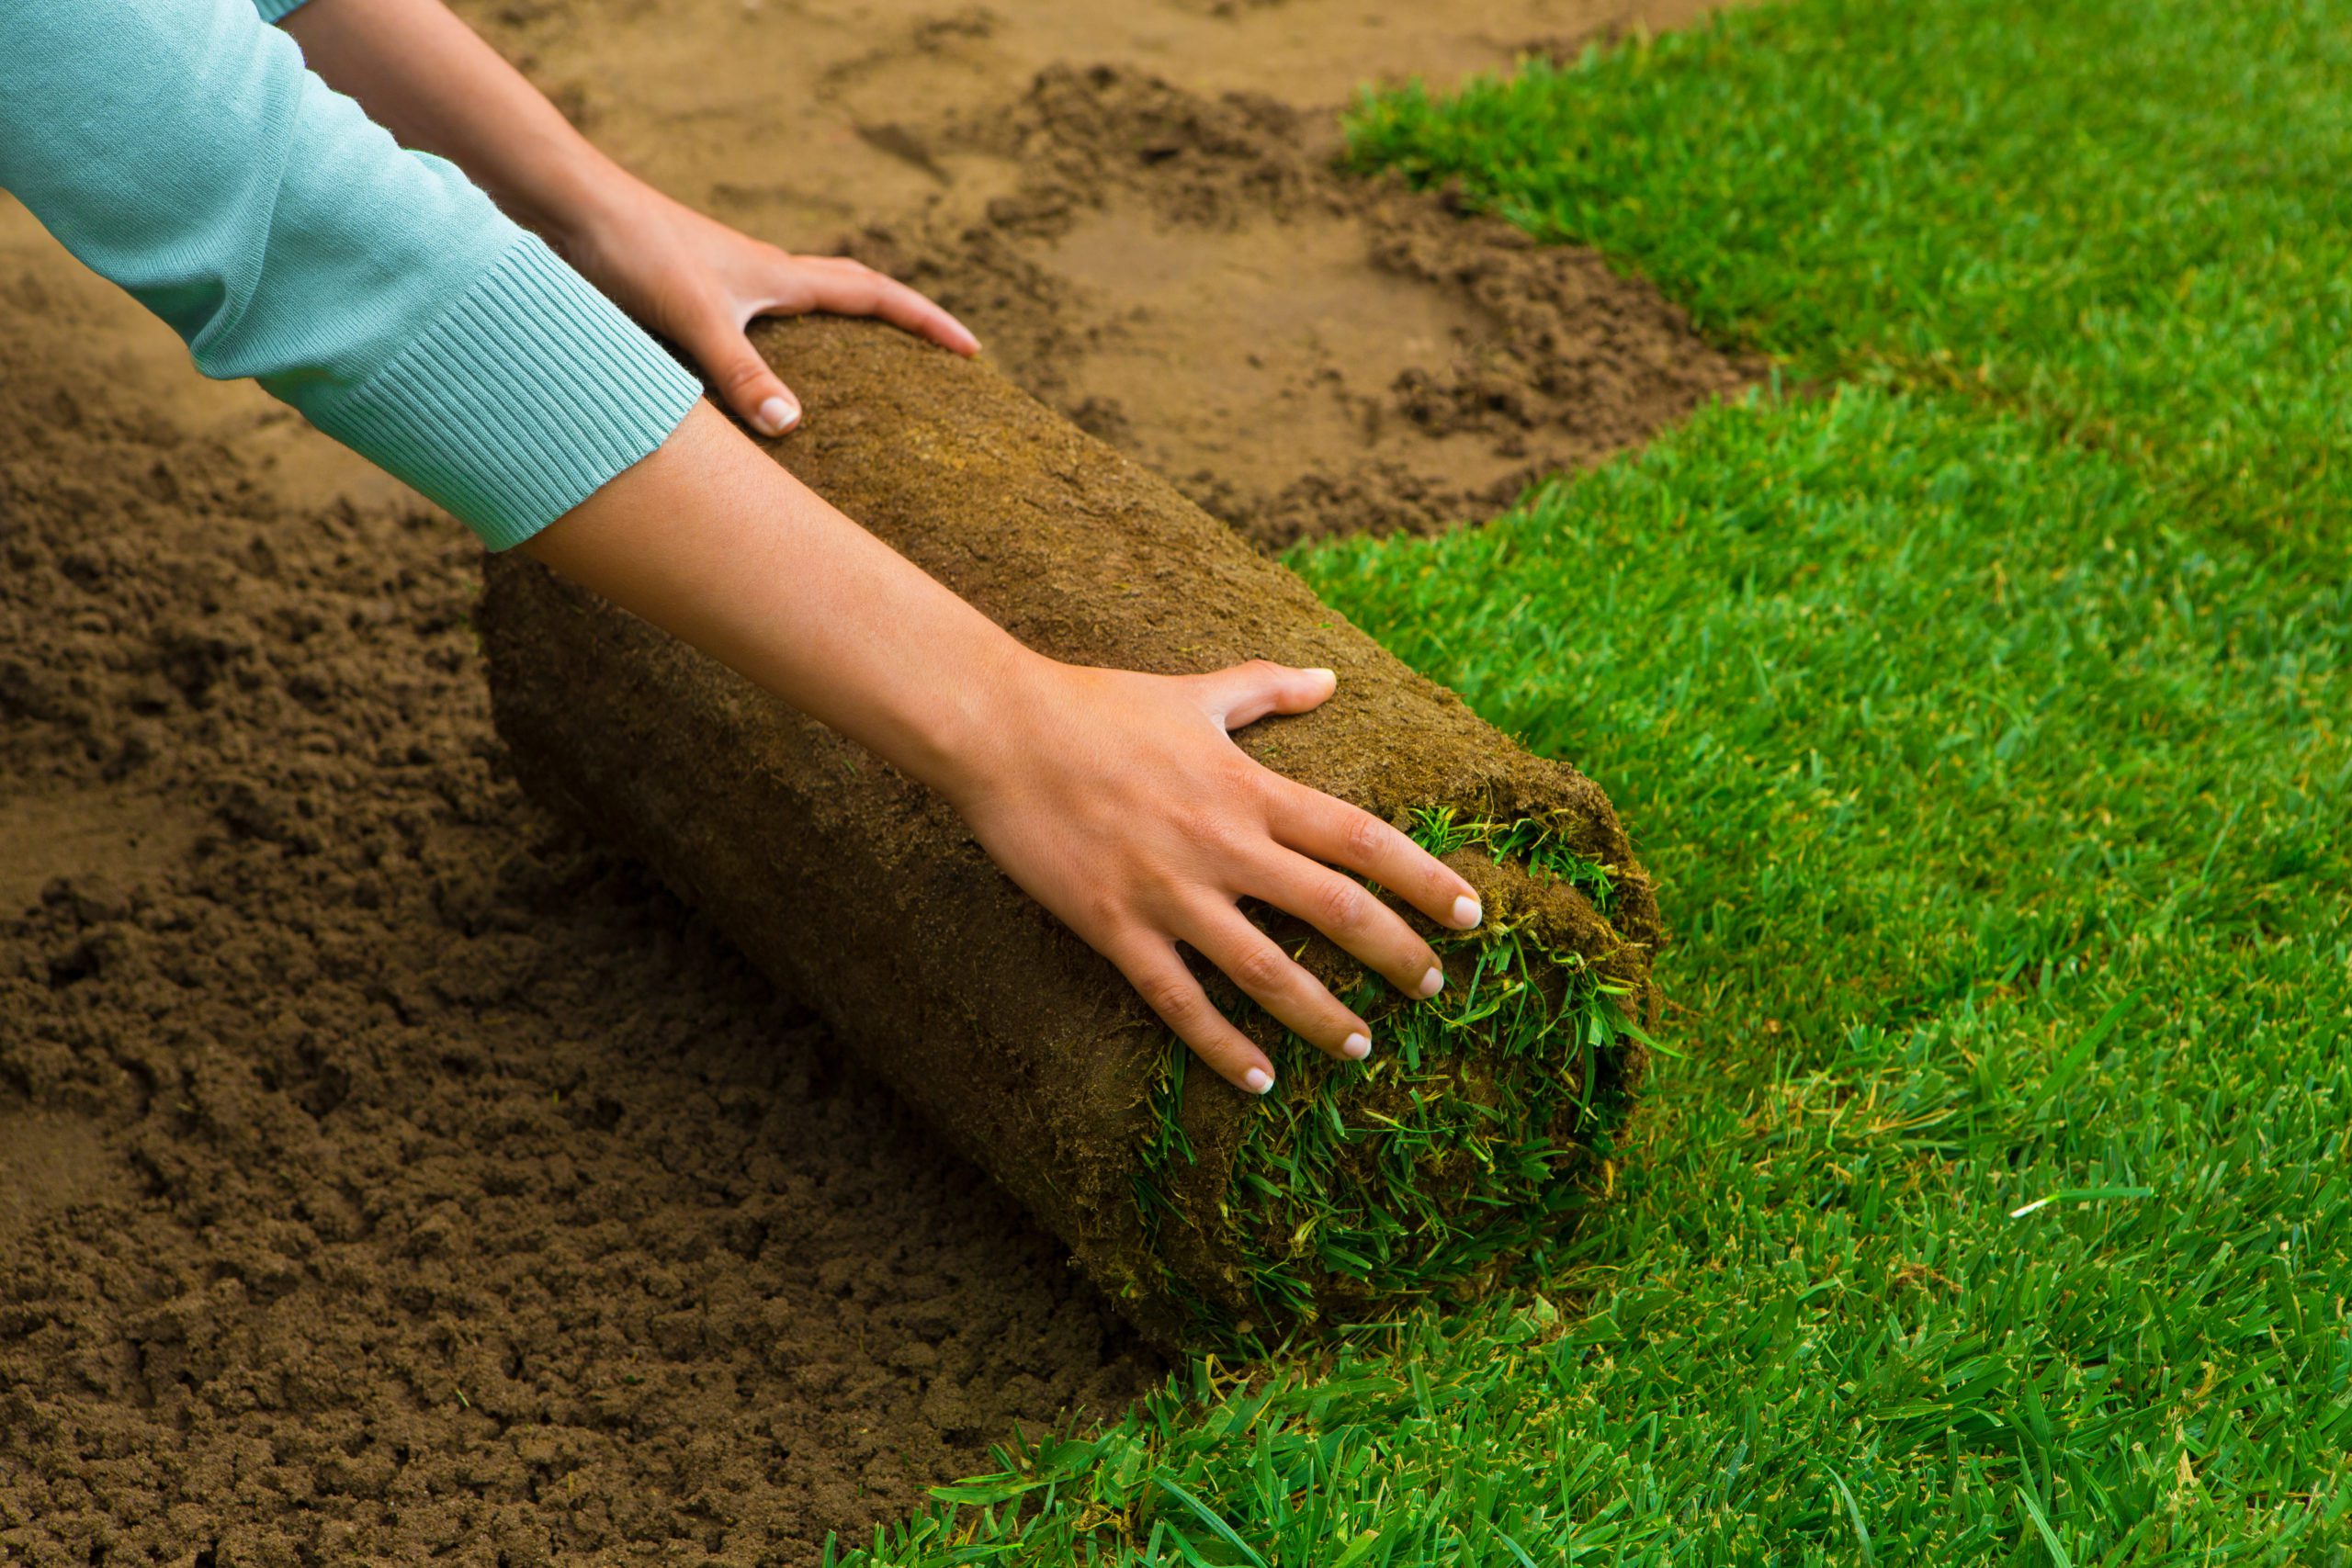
x=1211 y=1216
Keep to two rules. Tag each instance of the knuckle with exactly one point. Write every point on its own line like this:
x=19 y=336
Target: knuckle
x=1240 y=774
x=743 y=374
x=1103 y=908
x=1172 y=996
x=1362 y=835
x=1259 y=967
x=1206 y=829
x=1339 y=904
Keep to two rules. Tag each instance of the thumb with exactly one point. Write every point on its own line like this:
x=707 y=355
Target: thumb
x=1248 y=693
x=743 y=378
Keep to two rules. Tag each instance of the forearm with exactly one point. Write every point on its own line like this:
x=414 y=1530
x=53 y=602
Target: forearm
x=715 y=542
x=179 y=148
x=424 y=76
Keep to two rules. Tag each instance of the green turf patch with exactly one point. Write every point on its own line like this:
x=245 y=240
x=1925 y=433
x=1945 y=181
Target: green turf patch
x=2007 y=1163
x=2127 y=217
x=1983 y=719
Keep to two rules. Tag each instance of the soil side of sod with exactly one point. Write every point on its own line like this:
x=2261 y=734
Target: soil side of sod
x=864 y=893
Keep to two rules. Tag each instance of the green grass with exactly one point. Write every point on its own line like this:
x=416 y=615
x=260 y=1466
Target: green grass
x=1983 y=713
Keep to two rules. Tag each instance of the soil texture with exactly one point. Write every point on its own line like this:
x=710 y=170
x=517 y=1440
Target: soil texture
x=384 y=1171
x=1134 y=204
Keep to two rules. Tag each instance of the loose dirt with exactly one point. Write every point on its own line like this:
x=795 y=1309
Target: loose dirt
x=386 y=1171
x=382 y=1169
x=1153 y=240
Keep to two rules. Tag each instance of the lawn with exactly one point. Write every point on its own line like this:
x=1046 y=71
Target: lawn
x=1978 y=693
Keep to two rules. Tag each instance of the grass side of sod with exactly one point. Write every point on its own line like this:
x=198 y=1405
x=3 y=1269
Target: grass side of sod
x=1984 y=717
x=1458 y=1145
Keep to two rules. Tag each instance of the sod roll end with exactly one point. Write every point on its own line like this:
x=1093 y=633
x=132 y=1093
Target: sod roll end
x=1212 y=1216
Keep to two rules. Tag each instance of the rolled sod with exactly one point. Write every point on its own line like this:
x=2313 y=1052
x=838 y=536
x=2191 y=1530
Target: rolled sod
x=1213 y=1218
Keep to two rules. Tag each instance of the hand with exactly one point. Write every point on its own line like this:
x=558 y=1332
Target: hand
x=1120 y=802
x=700 y=284
x=423 y=73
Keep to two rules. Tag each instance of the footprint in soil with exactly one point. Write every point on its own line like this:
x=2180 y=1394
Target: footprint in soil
x=1304 y=351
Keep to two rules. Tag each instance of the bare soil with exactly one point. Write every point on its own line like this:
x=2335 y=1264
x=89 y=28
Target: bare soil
x=1135 y=207
x=388 y=1172
x=385 y=1171
x=1302 y=352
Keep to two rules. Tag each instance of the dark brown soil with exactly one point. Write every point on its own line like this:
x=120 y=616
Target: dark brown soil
x=385 y=1172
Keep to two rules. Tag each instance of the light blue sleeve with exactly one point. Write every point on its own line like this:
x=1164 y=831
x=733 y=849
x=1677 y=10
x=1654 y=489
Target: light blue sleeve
x=181 y=149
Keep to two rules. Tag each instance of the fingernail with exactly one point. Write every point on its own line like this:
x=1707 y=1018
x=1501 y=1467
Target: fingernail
x=1356 y=1047
x=1432 y=983
x=1466 y=913
x=1257 y=1081
x=776 y=416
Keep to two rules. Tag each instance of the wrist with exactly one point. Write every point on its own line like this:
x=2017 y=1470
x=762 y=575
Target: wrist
x=972 y=737
x=581 y=202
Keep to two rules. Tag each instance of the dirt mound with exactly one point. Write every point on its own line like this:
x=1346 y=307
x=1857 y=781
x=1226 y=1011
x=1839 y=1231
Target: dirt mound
x=382 y=1169
x=1303 y=352
x=779 y=115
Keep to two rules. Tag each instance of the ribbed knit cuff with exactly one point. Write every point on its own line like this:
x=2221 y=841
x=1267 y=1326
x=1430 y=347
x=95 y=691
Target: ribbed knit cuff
x=518 y=402
x=276 y=10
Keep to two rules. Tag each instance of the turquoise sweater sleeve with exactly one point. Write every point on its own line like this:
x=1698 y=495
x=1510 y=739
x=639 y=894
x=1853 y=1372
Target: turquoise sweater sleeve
x=179 y=148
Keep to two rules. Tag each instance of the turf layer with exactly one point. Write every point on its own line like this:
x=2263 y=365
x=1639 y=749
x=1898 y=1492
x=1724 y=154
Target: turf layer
x=1984 y=718
x=1434 y=1169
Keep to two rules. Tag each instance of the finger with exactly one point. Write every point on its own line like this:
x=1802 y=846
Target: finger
x=846 y=288
x=1344 y=910
x=1248 y=693
x=1153 y=969
x=1275 y=982
x=743 y=378
x=1343 y=835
